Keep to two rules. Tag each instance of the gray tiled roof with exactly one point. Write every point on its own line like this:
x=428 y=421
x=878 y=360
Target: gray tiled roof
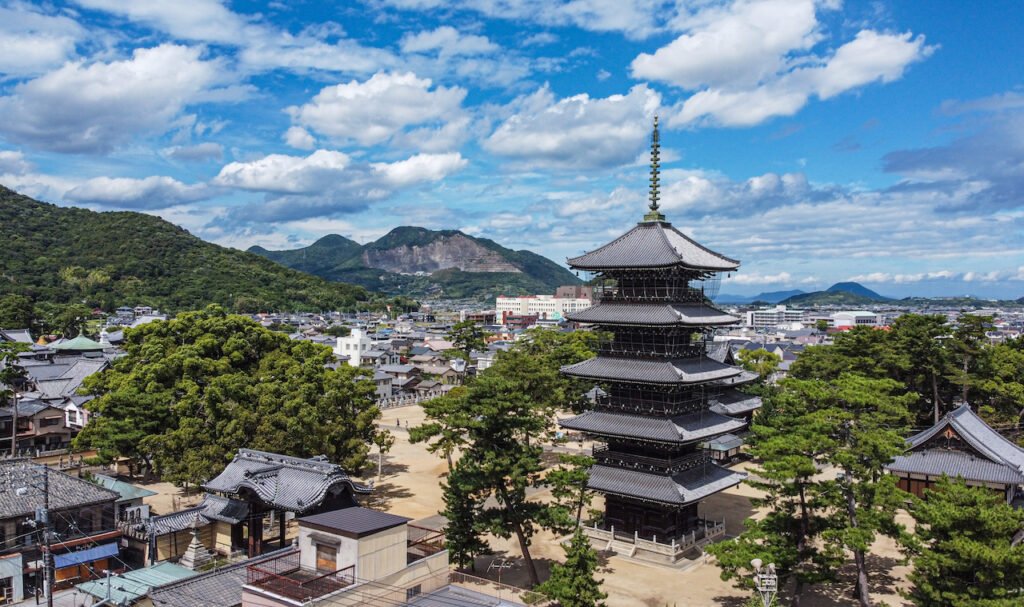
x=653 y=245
x=936 y=462
x=218 y=588
x=281 y=481
x=16 y=335
x=615 y=313
x=676 y=371
x=743 y=377
x=355 y=521
x=683 y=488
x=977 y=434
x=681 y=429
x=734 y=402
x=66 y=491
x=212 y=508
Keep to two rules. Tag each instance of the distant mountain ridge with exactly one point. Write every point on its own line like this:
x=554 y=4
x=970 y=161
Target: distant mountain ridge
x=839 y=294
x=767 y=297
x=70 y=255
x=420 y=262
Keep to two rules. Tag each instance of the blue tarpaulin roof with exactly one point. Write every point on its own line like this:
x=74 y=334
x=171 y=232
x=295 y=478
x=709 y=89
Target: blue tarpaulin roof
x=85 y=556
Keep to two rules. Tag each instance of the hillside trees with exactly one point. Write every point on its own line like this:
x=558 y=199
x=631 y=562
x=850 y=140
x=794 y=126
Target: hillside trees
x=193 y=390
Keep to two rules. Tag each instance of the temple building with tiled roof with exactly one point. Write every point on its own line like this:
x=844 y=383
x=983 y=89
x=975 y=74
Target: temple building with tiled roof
x=662 y=394
x=960 y=445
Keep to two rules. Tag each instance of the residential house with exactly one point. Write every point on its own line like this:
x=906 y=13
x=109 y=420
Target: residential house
x=81 y=514
x=41 y=426
x=347 y=557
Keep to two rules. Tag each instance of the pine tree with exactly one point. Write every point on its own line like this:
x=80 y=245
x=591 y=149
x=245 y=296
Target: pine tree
x=462 y=509
x=967 y=555
x=573 y=584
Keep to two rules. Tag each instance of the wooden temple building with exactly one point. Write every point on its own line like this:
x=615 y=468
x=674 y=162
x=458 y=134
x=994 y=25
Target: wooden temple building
x=961 y=445
x=256 y=491
x=662 y=396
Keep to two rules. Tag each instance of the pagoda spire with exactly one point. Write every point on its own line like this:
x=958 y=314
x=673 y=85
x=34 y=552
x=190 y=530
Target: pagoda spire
x=654 y=214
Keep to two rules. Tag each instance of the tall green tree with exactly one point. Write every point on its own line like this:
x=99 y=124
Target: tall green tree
x=191 y=391
x=446 y=427
x=922 y=359
x=967 y=555
x=12 y=375
x=462 y=507
x=871 y=420
x=18 y=312
x=467 y=336
x=573 y=584
x=568 y=483
x=764 y=363
x=967 y=345
x=1001 y=383
x=792 y=445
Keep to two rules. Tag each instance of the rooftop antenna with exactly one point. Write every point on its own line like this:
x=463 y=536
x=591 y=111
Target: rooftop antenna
x=654 y=214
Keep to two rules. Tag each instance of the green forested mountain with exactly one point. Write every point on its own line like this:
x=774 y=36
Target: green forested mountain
x=417 y=261
x=63 y=255
x=839 y=294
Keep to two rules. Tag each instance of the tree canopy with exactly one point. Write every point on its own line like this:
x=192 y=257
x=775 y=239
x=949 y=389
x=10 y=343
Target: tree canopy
x=193 y=390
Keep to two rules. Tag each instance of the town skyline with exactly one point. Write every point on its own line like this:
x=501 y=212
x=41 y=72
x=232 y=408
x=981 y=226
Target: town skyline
x=879 y=145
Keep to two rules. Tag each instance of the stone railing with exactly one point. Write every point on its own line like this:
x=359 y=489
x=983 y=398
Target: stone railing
x=705 y=532
x=407 y=400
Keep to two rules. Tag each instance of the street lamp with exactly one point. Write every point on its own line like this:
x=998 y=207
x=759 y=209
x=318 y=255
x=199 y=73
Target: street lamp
x=766 y=581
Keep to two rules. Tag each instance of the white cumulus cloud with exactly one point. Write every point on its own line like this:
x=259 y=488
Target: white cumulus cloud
x=327 y=182
x=32 y=41
x=377 y=109
x=92 y=107
x=155 y=192
x=575 y=132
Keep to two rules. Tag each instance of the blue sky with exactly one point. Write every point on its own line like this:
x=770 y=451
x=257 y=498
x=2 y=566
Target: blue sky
x=817 y=141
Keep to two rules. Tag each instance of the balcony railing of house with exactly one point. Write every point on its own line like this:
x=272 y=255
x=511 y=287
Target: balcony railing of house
x=284 y=576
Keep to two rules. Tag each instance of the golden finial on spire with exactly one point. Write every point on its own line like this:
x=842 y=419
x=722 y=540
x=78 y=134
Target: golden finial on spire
x=654 y=214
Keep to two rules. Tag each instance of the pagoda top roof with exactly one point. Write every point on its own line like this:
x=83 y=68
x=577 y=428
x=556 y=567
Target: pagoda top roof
x=975 y=432
x=679 y=489
x=654 y=244
x=649 y=314
x=644 y=371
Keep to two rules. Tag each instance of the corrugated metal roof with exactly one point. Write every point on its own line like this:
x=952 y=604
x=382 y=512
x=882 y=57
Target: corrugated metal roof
x=127 y=491
x=218 y=588
x=936 y=462
x=681 y=429
x=675 y=371
x=653 y=245
x=622 y=313
x=680 y=489
x=128 y=587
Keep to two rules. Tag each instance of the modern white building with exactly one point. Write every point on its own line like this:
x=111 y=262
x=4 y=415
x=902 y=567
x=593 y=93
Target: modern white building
x=773 y=317
x=353 y=346
x=546 y=307
x=857 y=318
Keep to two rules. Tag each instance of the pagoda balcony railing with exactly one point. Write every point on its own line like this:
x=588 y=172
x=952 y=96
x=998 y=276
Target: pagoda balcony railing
x=603 y=454
x=606 y=537
x=650 y=294
x=650 y=350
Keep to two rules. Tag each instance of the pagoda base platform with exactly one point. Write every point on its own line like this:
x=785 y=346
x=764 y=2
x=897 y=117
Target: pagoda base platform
x=665 y=551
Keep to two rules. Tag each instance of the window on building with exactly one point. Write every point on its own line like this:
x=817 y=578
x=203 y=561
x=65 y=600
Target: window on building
x=49 y=421
x=326 y=558
x=415 y=591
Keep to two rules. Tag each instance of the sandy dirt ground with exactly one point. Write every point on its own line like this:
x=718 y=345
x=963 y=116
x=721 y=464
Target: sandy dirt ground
x=410 y=487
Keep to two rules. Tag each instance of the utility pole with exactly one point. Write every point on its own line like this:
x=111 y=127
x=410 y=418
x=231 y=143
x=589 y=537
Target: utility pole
x=14 y=426
x=44 y=518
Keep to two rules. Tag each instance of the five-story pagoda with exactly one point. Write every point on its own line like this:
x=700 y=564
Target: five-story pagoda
x=659 y=385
